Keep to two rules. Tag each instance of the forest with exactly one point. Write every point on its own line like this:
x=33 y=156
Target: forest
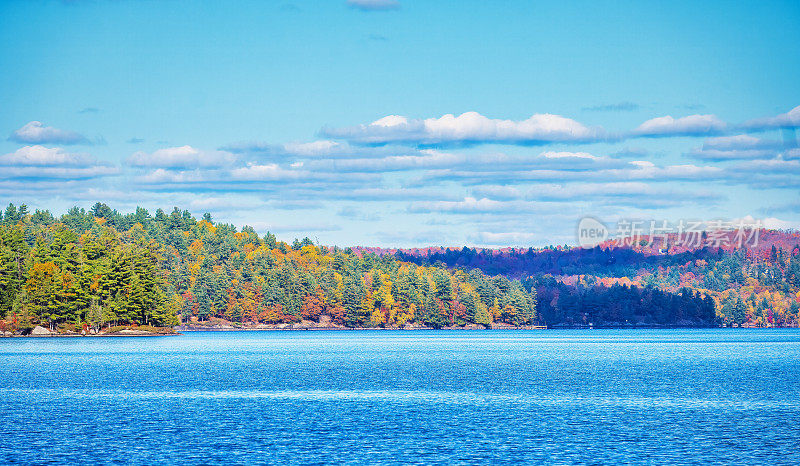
x=99 y=268
x=757 y=285
x=596 y=305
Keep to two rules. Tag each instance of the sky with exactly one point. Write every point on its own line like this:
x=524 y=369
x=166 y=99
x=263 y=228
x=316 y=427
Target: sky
x=402 y=123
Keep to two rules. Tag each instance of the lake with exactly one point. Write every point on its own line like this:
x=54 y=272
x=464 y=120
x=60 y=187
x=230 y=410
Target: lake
x=553 y=396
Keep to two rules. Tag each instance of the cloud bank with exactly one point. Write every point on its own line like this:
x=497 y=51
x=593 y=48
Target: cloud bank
x=181 y=157
x=35 y=132
x=691 y=125
x=467 y=128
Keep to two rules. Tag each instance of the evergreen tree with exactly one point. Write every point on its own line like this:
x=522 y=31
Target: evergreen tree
x=352 y=298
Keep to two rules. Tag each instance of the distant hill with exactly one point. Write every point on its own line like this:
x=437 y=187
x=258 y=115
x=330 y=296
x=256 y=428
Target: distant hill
x=757 y=283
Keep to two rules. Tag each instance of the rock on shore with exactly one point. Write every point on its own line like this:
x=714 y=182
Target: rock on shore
x=133 y=332
x=41 y=331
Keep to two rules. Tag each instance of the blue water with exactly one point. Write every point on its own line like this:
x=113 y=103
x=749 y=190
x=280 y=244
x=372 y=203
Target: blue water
x=571 y=396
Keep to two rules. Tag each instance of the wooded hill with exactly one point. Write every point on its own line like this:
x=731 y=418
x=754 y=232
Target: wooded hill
x=755 y=285
x=100 y=267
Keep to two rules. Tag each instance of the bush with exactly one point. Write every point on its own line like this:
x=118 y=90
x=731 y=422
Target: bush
x=68 y=327
x=25 y=328
x=143 y=328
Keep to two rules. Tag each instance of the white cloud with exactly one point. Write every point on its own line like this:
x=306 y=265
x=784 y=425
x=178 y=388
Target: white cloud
x=426 y=159
x=215 y=203
x=161 y=175
x=392 y=194
x=741 y=146
x=58 y=172
x=790 y=119
x=767 y=222
x=633 y=153
x=434 y=159
x=685 y=126
x=740 y=141
x=314 y=148
x=298 y=228
x=110 y=194
x=405 y=238
x=634 y=193
x=468 y=205
x=771 y=166
x=776 y=223
x=468 y=128
x=504 y=239
x=499 y=192
x=627 y=193
x=620 y=188
x=35 y=132
x=474 y=128
x=265 y=172
x=374 y=5
x=739 y=154
x=358 y=214
x=42 y=156
x=648 y=170
x=391 y=120
x=320 y=149
x=472 y=205
x=631 y=171
x=181 y=157
x=51 y=163
x=569 y=155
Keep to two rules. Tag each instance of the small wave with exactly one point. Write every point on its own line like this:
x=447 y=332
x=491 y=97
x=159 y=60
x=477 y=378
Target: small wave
x=420 y=397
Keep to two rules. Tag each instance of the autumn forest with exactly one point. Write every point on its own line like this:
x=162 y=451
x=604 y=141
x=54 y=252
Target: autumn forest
x=100 y=268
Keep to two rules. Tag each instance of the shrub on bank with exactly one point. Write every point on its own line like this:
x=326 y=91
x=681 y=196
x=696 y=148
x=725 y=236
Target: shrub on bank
x=141 y=328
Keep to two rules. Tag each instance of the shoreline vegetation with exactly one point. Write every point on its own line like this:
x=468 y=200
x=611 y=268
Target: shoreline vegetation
x=307 y=326
x=116 y=331
x=326 y=324
x=208 y=326
x=101 y=272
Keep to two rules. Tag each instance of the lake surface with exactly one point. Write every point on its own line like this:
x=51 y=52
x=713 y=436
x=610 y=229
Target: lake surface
x=554 y=396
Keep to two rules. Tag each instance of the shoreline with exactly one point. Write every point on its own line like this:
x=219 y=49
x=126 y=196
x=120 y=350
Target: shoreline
x=42 y=332
x=186 y=329
x=309 y=327
x=93 y=336
x=181 y=329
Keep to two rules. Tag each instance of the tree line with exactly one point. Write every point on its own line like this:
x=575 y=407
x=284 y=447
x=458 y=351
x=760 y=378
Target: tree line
x=757 y=285
x=590 y=303
x=100 y=268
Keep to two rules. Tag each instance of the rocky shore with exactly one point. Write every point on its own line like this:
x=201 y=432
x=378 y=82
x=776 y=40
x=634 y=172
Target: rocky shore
x=43 y=332
x=219 y=325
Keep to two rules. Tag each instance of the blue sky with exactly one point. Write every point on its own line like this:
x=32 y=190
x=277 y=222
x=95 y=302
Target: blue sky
x=404 y=123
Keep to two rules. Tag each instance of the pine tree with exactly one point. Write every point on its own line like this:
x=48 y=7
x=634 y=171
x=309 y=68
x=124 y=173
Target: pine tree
x=354 y=294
